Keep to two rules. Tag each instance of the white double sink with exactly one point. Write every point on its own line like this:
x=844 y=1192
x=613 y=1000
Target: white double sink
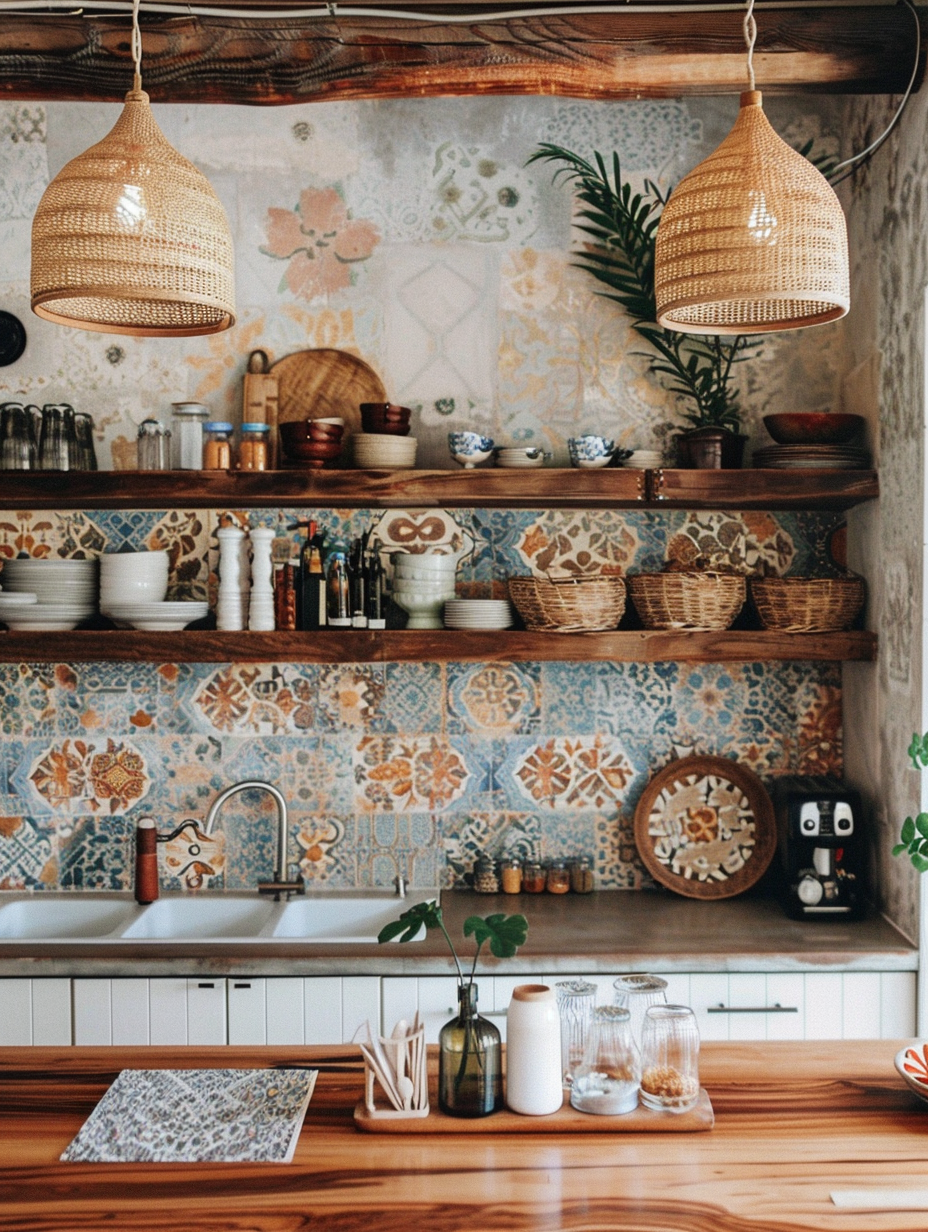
x=327 y=918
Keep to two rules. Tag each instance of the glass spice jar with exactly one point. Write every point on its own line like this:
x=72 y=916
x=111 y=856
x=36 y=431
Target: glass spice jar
x=510 y=870
x=533 y=877
x=187 y=420
x=486 y=879
x=217 y=446
x=252 y=447
x=558 y=879
x=581 y=875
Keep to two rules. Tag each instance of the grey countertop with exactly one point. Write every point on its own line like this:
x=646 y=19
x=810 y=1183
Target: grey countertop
x=603 y=932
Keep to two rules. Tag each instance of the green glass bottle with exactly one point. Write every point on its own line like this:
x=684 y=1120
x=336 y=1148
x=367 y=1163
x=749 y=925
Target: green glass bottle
x=470 y=1061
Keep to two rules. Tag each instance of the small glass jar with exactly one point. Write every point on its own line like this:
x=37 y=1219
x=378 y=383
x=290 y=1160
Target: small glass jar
x=669 y=1058
x=581 y=875
x=558 y=879
x=217 y=446
x=608 y=1078
x=510 y=874
x=576 y=1000
x=187 y=420
x=486 y=878
x=533 y=877
x=253 y=447
x=637 y=993
x=154 y=446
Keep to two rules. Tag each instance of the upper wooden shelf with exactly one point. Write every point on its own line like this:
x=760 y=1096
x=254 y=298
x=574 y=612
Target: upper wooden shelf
x=481 y=487
x=440 y=645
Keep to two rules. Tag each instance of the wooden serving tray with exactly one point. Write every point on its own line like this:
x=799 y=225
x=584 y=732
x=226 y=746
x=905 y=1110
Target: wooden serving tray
x=566 y=1121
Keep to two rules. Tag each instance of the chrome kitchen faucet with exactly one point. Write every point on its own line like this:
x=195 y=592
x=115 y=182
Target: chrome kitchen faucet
x=280 y=884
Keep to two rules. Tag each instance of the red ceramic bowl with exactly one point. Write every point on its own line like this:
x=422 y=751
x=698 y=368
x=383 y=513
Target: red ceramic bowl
x=385 y=417
x=298 y=446
x=813 y=427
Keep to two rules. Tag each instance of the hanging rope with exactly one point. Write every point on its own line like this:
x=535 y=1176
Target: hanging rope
x=750 y=38
x=136 y=48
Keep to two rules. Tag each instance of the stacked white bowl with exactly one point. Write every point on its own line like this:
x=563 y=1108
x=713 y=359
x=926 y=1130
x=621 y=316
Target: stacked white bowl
x=645 y=460
x=422 y=581
x=529 y=457
x=65 y=593
x=478 y=614
x=384 y=451
x=132 y=577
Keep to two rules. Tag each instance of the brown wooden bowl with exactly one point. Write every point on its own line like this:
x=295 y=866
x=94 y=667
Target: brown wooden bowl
x=385 y=417
x=298 y=446
x=813 y=427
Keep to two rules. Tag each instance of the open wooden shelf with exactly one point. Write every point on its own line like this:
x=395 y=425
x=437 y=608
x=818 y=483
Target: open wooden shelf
x=610 y=488
x=439 y=645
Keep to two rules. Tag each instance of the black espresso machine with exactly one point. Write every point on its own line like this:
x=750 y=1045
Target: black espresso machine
x=820 y=849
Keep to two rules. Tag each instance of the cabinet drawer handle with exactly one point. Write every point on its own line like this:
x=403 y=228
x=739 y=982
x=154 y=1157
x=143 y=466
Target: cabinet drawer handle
x=206 y=985
x=752 y=1009
x=241 y=985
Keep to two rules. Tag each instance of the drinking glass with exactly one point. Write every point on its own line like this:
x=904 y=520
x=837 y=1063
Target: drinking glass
x=17 y=451
x=58 y=444
x=636 y=993
x=575 y=1002
x=154 y=445
x=606 y=1081
x=86 y=454
x=669 y=1058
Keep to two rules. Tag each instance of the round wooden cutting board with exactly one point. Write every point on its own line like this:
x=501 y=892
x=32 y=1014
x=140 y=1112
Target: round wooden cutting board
x=326 y=382
x=705 y=827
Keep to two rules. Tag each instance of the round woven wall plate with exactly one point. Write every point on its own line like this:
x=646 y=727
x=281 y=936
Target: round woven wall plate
x=705 y=828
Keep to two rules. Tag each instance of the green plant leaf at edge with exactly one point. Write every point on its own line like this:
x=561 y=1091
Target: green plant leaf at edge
x=422 y=915
x=504 y=933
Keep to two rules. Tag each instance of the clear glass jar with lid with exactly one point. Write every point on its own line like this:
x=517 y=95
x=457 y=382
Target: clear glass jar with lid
x=486 y=877
x=187 y=420
x=510 y=874
x=558 y=880
x=154 y=446
x=581 y=875
x=217 y=446
x=253 y=447
x=533 y=877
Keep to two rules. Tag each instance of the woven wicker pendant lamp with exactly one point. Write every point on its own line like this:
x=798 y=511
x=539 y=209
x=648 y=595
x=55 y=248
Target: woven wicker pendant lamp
x=129 y=237
x=753 y=240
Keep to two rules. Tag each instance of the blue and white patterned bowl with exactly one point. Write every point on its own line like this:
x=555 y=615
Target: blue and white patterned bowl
x=469 y=448
x=590 y=450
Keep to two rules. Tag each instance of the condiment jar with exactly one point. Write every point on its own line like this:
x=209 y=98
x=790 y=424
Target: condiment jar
x=486 y=879
x=558 y=879
x=154 y=446
x=608 y=1078
x=253 y=447
x=187 y=419
x=217 y=446
x=510 y=872
x=581 y=875
x=533 y=877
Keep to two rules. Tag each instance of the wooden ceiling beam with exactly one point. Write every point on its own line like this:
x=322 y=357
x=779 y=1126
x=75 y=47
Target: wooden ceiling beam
x=657 y=54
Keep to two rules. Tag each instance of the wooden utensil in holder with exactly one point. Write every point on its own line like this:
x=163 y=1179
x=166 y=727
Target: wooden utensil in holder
x=397 y=1064
x=260 y=401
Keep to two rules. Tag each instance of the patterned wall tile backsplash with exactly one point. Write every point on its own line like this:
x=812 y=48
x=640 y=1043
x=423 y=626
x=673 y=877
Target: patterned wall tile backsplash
x=390 y=768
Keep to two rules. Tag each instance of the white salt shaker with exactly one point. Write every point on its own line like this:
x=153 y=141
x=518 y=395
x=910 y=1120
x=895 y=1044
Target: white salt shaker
x=229 y=612
x=533 y=1051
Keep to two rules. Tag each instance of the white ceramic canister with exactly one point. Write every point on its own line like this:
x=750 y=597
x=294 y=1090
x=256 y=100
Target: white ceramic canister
x=533 y=1051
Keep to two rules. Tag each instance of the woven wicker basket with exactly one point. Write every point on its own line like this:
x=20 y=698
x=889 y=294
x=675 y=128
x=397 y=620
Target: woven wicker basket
x=579 y=605
x=687 y=600
x=807 y=605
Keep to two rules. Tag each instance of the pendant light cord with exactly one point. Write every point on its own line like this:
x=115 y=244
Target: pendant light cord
x=750 y=38
x=136 y=49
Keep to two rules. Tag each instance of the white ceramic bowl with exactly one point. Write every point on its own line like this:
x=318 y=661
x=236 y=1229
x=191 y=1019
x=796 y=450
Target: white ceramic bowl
x=424 y=610
x=426 y=562
x=427 y=586
x=17 y=599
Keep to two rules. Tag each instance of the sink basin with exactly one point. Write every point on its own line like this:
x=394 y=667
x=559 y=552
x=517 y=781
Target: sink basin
x=344 y=918
x=74 y=917
x=201 y=918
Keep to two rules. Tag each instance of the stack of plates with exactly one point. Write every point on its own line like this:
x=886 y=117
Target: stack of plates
x=805 y=457
x=478 y=614
x=384 y=451
x=166 y=617
x=64 y=593
x=645 y=460
x=515 y=458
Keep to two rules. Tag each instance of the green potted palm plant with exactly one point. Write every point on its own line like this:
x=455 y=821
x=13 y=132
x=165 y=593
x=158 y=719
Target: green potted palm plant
x=622 y=226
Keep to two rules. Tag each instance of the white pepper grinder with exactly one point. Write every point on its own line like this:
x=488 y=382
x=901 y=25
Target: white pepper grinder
x=533 y=1051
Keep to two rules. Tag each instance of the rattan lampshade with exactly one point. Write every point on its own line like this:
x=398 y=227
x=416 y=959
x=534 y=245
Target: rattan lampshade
x=129 y=238
x=753 y=240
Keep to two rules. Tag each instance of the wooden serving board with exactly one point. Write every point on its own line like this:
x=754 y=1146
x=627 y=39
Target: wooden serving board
x=325 y=382
x=566 y=1121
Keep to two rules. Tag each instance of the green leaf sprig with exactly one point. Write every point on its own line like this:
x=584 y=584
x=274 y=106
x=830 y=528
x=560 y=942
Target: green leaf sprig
x=913 y=837
x=505 y=934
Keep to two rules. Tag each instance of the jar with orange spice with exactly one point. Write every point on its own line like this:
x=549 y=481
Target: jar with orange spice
x=558 y=881
x=217 y=446
x=533 y=877
x=252 y=447
x=510 y=871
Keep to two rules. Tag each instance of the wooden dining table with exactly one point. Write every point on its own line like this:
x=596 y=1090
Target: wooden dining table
x=794 y=1122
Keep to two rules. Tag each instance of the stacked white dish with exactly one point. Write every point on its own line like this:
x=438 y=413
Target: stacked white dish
x=422 y=582
x=384 y=451
x=64 y=592
x=164 y=617
x=132 y=577
x=478 y=614
x=645 y=460
x=508 y=456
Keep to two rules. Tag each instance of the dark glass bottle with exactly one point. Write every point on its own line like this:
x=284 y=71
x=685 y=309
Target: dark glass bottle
x=312 y=602
x=376 y=588
x=470 y=1067
x=338 y=598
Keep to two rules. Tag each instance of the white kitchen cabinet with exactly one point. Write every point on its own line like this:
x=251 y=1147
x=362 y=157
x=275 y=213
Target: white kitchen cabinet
x=16 y=1013
x=206 y=1012
x=129 y=1012
x=93 y=1011
x=246 y=1005
x=285 y=1011
x=167 y=1006
x=51 y=1012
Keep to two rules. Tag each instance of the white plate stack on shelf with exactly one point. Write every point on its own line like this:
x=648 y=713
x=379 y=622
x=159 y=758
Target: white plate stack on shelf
x=64 y=594
x=478 y=614
x=384 y=451
x=133 y=586
x=422 y=582
x=645 y=460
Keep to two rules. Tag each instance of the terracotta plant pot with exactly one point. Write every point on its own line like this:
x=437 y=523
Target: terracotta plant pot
x=710 y=449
